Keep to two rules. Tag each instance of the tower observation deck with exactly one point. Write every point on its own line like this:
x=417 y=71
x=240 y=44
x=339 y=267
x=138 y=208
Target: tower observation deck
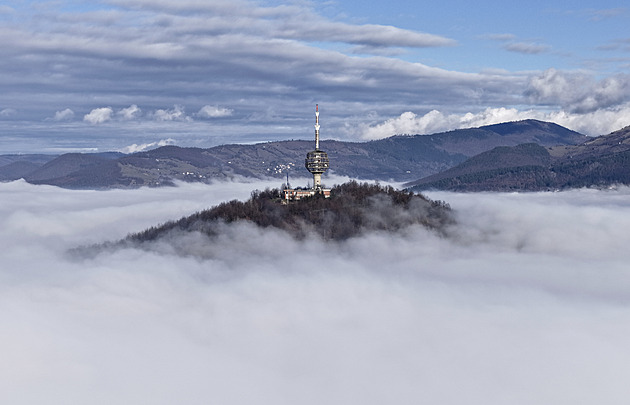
x=317 y=163
x=317 y=160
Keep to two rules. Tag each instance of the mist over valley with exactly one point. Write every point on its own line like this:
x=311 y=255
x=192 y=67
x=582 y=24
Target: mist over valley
x=525 y=302
x=147 y=257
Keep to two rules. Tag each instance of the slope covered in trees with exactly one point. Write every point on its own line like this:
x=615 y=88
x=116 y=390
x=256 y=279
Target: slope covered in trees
x=600 y=162
x=352 y=209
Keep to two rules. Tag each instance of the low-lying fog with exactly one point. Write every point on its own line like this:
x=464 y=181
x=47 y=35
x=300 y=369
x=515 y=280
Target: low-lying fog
x=527 y=303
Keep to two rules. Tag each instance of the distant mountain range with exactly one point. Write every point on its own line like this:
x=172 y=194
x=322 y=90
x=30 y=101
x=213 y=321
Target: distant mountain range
x=398 y=158
x=598 y=162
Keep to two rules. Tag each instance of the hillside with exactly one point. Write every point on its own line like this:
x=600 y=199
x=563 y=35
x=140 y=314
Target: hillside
x=398 y=158
x=353 y=209
x=17 y=170
x=598 y=162
x=37 y=159
x=13 y=167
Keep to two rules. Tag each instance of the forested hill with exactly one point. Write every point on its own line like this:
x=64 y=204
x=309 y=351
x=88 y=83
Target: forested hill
x=353 y=209
x=600 y=162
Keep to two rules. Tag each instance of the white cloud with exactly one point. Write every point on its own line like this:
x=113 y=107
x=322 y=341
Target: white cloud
x=599 y=122
x=407 y=123
x=435 y=121
x=130 y=113
x=213 y=111
x=578 y=92
x=252 y=55
x=146 y=146
x=177 y=113
x=531 y=288
x=64 y=115
x=513 y=45
x=299 y=22
x=376 y=35
x=604 y=14
x=500 y=37
x=530 y=48
x=99 y=115
x=8 y=112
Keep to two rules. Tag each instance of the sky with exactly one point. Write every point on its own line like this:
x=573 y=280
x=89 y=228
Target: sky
x=131 y=74
x=526 y=301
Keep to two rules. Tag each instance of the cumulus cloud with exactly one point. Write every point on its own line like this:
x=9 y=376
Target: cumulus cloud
x=599 y=122
x=64 y=115
x=146 y=146
x=213 y=111
x=529 y=289
x=177 y=113
x=130 y=113
x=595 y=123
x=8 y=112
x=409 y=123
x=99 y=115
x=103 y=114
x=578 y=92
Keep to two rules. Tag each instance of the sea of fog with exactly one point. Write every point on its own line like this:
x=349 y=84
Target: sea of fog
x=527 y=302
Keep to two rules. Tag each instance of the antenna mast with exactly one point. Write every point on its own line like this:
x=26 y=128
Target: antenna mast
x=316 y=126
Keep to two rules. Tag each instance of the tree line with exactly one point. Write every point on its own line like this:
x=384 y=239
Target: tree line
x=353 y=208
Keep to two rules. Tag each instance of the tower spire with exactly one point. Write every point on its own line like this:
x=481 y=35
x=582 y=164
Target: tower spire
x=316 y=126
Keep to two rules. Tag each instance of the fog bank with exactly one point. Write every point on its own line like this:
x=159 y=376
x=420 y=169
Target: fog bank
x=526 y=302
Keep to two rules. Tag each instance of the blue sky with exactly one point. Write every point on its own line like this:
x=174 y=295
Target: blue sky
x=551 y=34
x=130 y=74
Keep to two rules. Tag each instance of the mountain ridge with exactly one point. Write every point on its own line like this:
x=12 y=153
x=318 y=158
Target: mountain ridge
x=599 y=162
x=397 y=158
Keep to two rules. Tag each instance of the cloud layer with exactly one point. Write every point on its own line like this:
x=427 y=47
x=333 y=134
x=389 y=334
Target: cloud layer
x=579 y=93
x=598 y=122
x=525 y=303
x=135 y=72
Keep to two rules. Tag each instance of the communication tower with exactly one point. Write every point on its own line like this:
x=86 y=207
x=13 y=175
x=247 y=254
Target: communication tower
x=317 y=163
x=317 y=160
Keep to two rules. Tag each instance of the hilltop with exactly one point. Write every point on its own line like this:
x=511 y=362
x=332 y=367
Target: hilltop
x=352 y=210
x=398 y=158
